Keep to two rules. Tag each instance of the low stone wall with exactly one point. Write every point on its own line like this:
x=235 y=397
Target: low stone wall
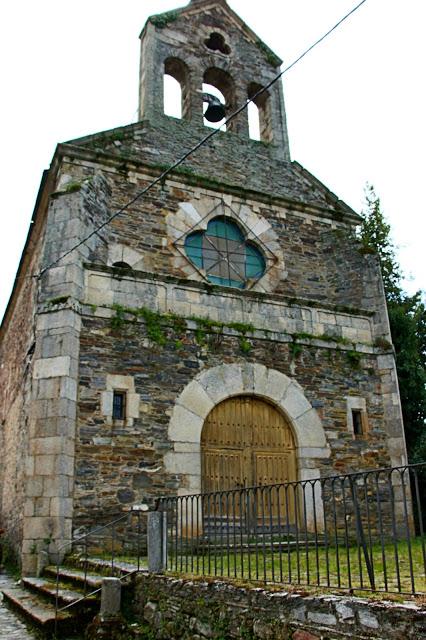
x=192 y=610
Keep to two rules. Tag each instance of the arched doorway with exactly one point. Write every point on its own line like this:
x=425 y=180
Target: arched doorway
x=215 y=385
x=246 y=442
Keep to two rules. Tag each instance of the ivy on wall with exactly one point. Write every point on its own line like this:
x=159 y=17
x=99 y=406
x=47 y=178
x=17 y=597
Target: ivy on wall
x=209 y=333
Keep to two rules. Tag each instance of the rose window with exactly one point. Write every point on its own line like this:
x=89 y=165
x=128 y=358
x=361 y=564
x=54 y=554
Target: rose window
x=224 y=255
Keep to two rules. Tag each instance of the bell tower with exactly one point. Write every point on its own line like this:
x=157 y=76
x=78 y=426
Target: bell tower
x=207 y=43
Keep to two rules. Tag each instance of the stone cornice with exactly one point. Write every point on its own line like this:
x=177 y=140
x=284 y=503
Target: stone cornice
x=207 y=287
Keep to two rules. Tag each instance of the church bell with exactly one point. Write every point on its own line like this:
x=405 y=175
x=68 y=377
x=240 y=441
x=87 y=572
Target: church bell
x=215 y=111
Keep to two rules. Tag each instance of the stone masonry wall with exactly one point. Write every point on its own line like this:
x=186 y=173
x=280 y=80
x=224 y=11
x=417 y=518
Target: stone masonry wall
x=225 y=161
x=123 y=464
x=324 y=267
x=47 y=509
x=16 y=357
x=116 y=467
x=320 y=253
x=119 y=465
x=173 y=608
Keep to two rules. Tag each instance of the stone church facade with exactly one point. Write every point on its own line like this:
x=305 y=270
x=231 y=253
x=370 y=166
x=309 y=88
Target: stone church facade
x=231 y=299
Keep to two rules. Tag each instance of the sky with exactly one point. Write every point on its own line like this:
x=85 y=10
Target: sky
x=355 y=106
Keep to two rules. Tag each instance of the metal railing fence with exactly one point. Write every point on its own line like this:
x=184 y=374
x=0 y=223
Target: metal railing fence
x=356 y=531
x=118 y=547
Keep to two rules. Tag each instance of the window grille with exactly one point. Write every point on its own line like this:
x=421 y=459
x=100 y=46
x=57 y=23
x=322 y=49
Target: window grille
x=224 y=254
x=119 y=405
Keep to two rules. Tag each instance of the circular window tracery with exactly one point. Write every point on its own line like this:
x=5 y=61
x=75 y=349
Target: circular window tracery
x=224 y=254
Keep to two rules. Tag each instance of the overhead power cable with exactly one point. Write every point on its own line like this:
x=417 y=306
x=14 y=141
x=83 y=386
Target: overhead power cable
x=199 y=144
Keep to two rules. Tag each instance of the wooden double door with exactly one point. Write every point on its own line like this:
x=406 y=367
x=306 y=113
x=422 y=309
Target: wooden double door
x=246 y=442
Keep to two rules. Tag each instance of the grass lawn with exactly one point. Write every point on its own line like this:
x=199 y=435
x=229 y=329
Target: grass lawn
x=396 y=567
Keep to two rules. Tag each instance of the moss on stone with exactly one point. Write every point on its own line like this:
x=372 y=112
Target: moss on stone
x=71 y=187
x=295 y=349
x=58 y=300
x=245 y=345
x=382 y=343
x=161 y=20
x=268 y=53
x=325 y=337
x=156 y=324
x=354 y=359
x=208 y=332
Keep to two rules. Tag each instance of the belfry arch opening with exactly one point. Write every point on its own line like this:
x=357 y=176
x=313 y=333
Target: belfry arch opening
x=220 y=84
x=246 y=441
x=176 y=95
x=259 y=111
x=254 y=121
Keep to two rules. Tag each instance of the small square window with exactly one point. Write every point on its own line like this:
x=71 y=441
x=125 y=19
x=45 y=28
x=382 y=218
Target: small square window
x=119 y=405
x=357 y=423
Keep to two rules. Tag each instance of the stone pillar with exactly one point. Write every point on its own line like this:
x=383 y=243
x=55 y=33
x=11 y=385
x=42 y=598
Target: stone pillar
x=196 y=96
x=240 y=125
x=109 y=624
x=157 y=541
x=110 y=598
x=48 y=506
x=50 y=463
x=279 y=123
x=151 y=99
x=392 y=412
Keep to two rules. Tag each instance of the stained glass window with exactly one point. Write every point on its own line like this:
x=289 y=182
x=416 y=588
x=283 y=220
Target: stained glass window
x=224 y=254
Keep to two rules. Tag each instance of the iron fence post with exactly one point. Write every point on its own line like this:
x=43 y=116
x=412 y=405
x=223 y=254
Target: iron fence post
x=360 y=535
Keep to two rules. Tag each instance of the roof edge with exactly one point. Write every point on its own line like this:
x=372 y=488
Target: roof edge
x=339 y=204
x=162 y=20
x=112 y=159
x=36 y=225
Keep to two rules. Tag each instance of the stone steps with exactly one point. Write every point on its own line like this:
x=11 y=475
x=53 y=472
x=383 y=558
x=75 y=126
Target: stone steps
x=78 y=597
x=36 y=610
x=100 y=566
x=76 y=577
x=48 y=589
x=78 y=594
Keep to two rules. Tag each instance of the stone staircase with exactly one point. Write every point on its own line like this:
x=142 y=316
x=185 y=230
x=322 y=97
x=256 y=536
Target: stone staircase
x=77 y=595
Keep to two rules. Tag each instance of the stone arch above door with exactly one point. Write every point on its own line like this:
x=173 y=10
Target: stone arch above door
x=213 y=385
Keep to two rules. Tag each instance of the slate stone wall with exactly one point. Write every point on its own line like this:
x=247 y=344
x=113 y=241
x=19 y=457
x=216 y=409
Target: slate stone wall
x=227 y=160
x=119 y=465
x=329 y=282
x=322 y=256
x=192 y=610
x=17 y=348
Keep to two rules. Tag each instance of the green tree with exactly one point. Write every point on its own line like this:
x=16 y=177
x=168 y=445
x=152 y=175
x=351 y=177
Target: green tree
x=407 y=318
x=375 y=236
